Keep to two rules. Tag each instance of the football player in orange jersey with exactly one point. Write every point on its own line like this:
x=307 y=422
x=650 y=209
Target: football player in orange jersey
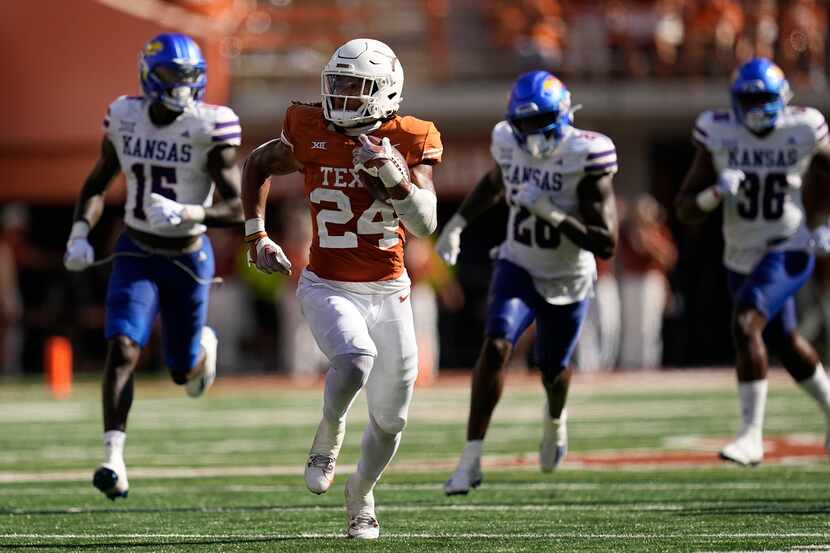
x=355 y=291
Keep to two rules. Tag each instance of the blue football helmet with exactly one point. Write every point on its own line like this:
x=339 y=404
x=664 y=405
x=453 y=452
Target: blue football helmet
x=759 y=94
x=539 y=112
x=172 y=70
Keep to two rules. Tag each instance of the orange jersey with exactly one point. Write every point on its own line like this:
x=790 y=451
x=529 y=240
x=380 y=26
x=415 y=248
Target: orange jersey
x=356 y=238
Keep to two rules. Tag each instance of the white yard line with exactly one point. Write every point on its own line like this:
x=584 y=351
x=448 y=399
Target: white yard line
x=429 y=535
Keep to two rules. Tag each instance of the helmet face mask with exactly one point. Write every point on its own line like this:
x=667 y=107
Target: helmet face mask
x=173 y=71
x=539 y=112
x=759 y=94
x=361 y=84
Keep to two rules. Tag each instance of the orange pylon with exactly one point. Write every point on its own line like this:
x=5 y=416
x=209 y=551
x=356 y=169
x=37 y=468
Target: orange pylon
x=57 y=363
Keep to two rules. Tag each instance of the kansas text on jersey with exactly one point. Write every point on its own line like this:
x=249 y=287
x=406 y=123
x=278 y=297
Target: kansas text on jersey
x=169 y=160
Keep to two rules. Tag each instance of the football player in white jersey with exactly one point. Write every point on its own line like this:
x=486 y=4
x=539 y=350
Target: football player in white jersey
x=172 y=149
x=557 y=181
x=752 y=159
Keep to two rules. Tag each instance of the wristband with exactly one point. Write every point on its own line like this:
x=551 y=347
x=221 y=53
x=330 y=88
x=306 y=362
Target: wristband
x=254 y=225
x=80 y=229
x=708 y=199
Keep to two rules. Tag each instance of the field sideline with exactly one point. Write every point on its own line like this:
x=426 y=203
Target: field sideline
x=224 y=473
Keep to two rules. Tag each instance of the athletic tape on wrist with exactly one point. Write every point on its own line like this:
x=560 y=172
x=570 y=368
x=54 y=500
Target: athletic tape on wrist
x=254 y=225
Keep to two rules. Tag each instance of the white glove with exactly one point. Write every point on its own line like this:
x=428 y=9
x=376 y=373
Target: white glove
x=79 y=253
x=527 y=196
x=164 y=213
x=387 y=163
x=534 y=200
x=267 y=256
x=448 y=245
x=820 y=240
x=729 y=181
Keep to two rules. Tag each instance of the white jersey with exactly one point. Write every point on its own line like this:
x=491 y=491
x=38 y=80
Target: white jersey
x=169 y=160
x=562 y=271
x=767 y=214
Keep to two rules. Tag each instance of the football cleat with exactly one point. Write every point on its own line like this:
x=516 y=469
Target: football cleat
x=319 y=473
x=465 y=477
x=360 y=512
x=554 y=444
x=746 y=450
x=111 y=479
x=322 y=458
x=198 y=384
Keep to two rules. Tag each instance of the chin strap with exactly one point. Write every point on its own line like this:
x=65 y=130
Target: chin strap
x=363 y=129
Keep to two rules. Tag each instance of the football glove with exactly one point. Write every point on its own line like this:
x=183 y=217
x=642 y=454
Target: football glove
x=79 y=253
x=164 y=213
x=380 y=159
x=534 y=200
x=729 y=182
x=448 y=245
x=266 y=256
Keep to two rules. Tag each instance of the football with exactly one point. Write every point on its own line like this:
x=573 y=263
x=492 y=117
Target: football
x=373 y=184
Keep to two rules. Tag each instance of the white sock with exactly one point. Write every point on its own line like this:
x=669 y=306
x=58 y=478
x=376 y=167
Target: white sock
x=472 y=453
x=376 y=451
x=818 y=387
x=329 y=438
x=753 y=396
x=114 y=446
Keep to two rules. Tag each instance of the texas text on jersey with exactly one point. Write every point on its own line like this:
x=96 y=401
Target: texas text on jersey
x=356 y=238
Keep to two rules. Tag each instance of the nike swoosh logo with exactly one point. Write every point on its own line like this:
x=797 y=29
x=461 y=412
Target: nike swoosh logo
x=403 y=298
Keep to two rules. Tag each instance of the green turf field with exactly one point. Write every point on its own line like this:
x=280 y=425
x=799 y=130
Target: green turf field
x=225 y=473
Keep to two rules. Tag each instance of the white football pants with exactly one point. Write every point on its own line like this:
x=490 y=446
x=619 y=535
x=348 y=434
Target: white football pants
x=379 y=325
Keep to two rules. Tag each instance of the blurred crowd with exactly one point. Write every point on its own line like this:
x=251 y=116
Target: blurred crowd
x=663 y=38
x=258 y=317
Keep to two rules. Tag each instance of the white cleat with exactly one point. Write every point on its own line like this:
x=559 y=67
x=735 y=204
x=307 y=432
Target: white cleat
x=322 y=458
x=464 y=478
x=360 y=512
x=554 y=444
x=198 y=384
x=111 y=479
x=746 y=450
x=319 y=473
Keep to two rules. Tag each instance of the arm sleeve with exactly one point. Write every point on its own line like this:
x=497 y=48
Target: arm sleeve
x=226 y=128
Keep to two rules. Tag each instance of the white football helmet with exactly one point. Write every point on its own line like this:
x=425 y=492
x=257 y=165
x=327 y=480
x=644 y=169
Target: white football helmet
x=362 y=83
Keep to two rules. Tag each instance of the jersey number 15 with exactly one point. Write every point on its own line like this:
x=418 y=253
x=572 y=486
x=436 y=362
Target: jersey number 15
x=160 y=177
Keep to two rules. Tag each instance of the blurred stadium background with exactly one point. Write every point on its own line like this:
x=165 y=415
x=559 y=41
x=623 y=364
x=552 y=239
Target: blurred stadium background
x=642 y=69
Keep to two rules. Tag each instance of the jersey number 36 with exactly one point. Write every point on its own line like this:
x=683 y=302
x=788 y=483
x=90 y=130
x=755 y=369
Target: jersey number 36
x=766 y=197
